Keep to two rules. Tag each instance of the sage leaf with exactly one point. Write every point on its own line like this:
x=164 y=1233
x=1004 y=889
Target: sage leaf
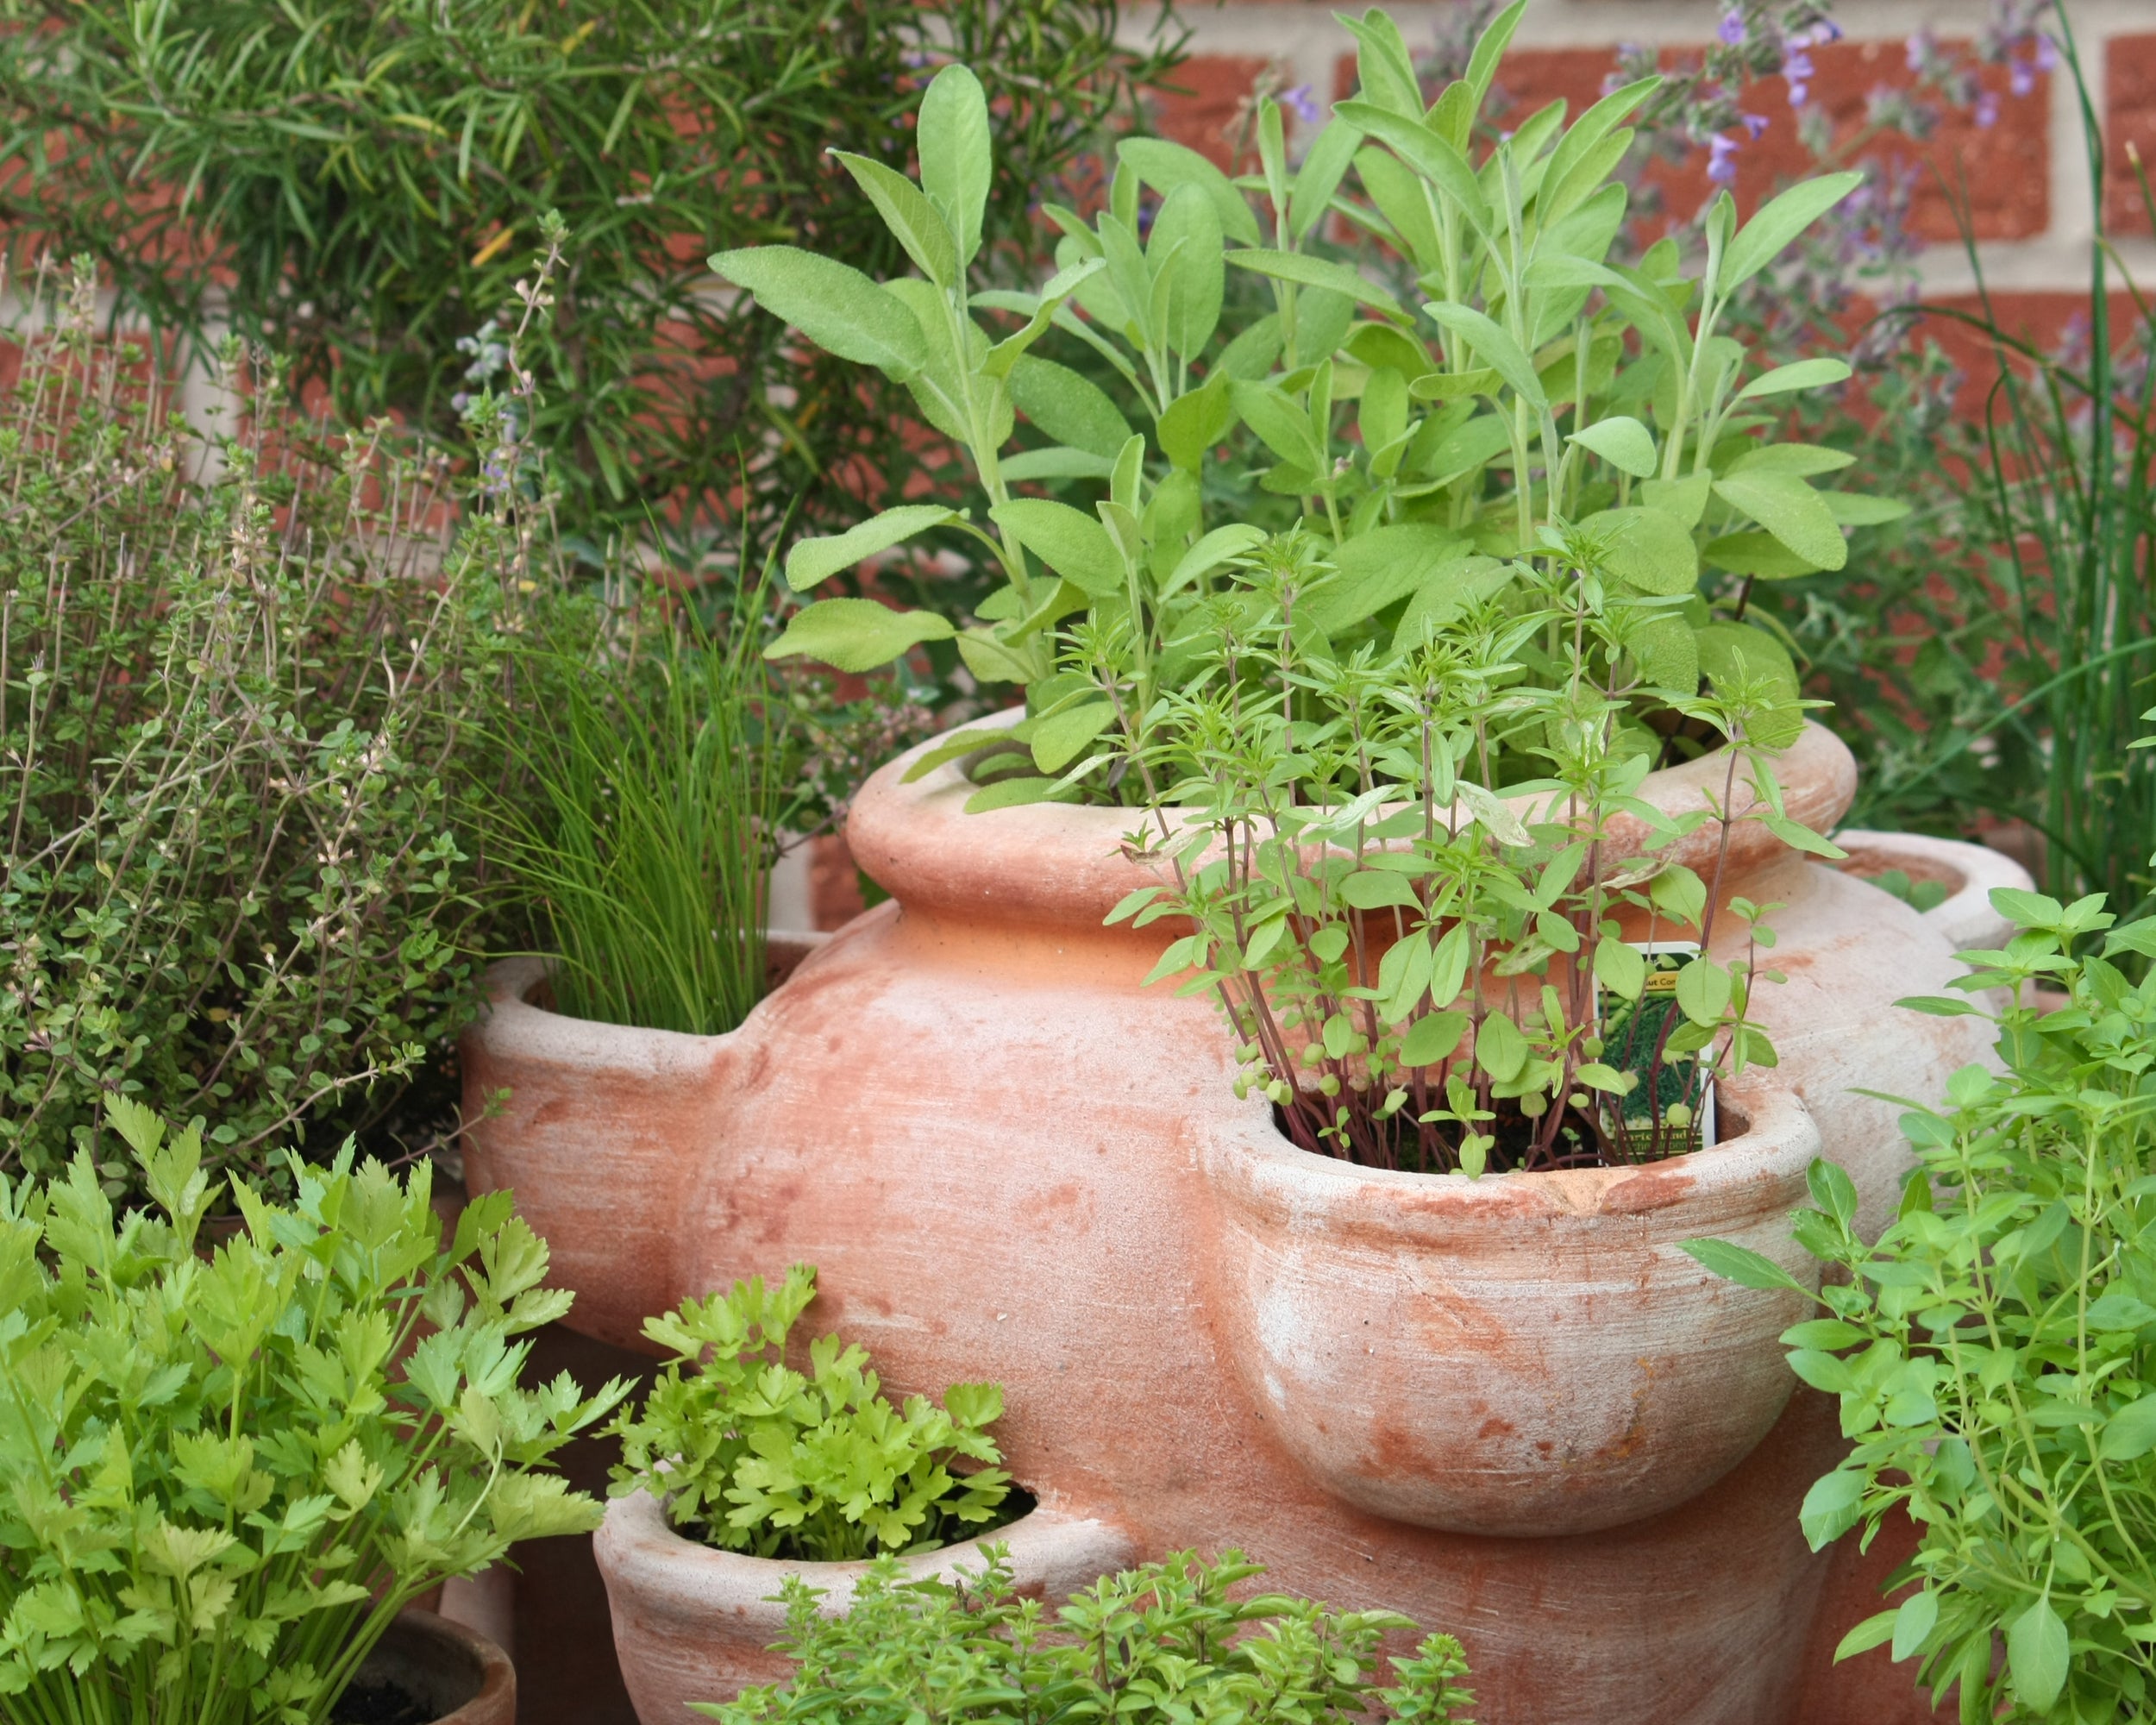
x=957 y=159
x=835 y=306
x=855 y=634
x=1624 y=443
x=812 y=561
x=1792 y=510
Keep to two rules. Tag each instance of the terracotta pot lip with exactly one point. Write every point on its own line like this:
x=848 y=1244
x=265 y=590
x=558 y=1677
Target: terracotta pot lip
x=498 y=1677
x=1774 y=1151
x=639 y=1518
x=1064 y=863
x=513 y=1025
x=1964 y=915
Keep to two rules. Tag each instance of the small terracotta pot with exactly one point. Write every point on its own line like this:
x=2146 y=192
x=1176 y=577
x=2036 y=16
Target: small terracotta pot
x=695 y=1624
x=587 y=1138
x=461 y=1675
x=1521 y=1354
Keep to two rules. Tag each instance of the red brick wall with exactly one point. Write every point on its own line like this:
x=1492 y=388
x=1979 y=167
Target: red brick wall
x=2033 y=214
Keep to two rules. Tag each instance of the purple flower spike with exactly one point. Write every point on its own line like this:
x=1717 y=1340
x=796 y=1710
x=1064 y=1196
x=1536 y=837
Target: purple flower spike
x=2021 y=76
x=1721 y=161
x=1988 y=110
x=1733 y=29
x=1301 y=103
x=1797 y=68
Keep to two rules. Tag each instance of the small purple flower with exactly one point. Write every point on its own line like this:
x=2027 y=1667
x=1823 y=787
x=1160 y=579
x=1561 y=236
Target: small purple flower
x=2021 y=76
x=1826 y=30
x=1797 y=68
x=2046 y=54
x=1755 y=125
x=1920 y=48
x=1988 y=110
x=1721 y=159
x=1733 y=29
x=1301 y=103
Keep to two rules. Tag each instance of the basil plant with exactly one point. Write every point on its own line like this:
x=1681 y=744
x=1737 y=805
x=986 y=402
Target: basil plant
x=224 y=1471
x=1520 y=390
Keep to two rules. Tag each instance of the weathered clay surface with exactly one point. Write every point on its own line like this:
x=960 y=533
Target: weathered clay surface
x=464 y=1677
x=1525 y=1357
x=695 y=1624
x=1969 y=872
x=597 y=1125
x=1003 y=1156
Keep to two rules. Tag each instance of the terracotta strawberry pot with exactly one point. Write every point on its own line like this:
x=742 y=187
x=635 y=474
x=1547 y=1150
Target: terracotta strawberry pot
x=587 y=1117
x=1010 y=1162
x=695 y=1624
x=1523 y=1354
x=456 y=1671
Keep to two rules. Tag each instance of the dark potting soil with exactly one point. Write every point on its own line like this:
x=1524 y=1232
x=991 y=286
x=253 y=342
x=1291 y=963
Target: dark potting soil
x=379 y=1704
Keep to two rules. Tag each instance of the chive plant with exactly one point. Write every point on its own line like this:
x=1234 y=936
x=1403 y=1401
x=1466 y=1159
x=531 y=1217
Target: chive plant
x=657 y=794
x=2064 y=504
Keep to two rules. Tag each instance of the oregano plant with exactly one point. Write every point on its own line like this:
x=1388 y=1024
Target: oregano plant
x=1993 y=1351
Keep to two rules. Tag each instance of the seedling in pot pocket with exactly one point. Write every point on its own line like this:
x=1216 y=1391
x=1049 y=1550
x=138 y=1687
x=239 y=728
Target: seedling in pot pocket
x=751 y=1455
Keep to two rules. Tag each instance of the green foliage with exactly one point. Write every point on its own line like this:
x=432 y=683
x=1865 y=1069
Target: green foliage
x=234 y=716
x=1995 y=1352
x=1540 y=396
x=751 y=1455
x=1158 y=1646
x=359 y=183
x=1422 y=973
x=651 y=751
x=225 y=1471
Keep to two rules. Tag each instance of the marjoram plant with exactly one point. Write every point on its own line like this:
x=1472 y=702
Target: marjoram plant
x=224 y=1471
x=751 y=1455
x=1161 y=1645
x=1994 y=1352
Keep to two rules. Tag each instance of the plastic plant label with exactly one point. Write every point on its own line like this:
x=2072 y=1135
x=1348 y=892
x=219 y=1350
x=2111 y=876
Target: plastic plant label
x=1632 y=1031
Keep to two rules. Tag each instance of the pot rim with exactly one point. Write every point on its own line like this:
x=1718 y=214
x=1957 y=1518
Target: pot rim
x=1063 y=863
x=1965 y=917
x=496 y=1696
x=683 y=1580
x=638 y=1521
x=513 y=1025
x=1759 y=1167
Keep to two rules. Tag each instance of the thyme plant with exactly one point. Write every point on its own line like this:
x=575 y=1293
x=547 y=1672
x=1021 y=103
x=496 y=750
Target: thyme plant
x=237 y=715
x=224 y=1467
